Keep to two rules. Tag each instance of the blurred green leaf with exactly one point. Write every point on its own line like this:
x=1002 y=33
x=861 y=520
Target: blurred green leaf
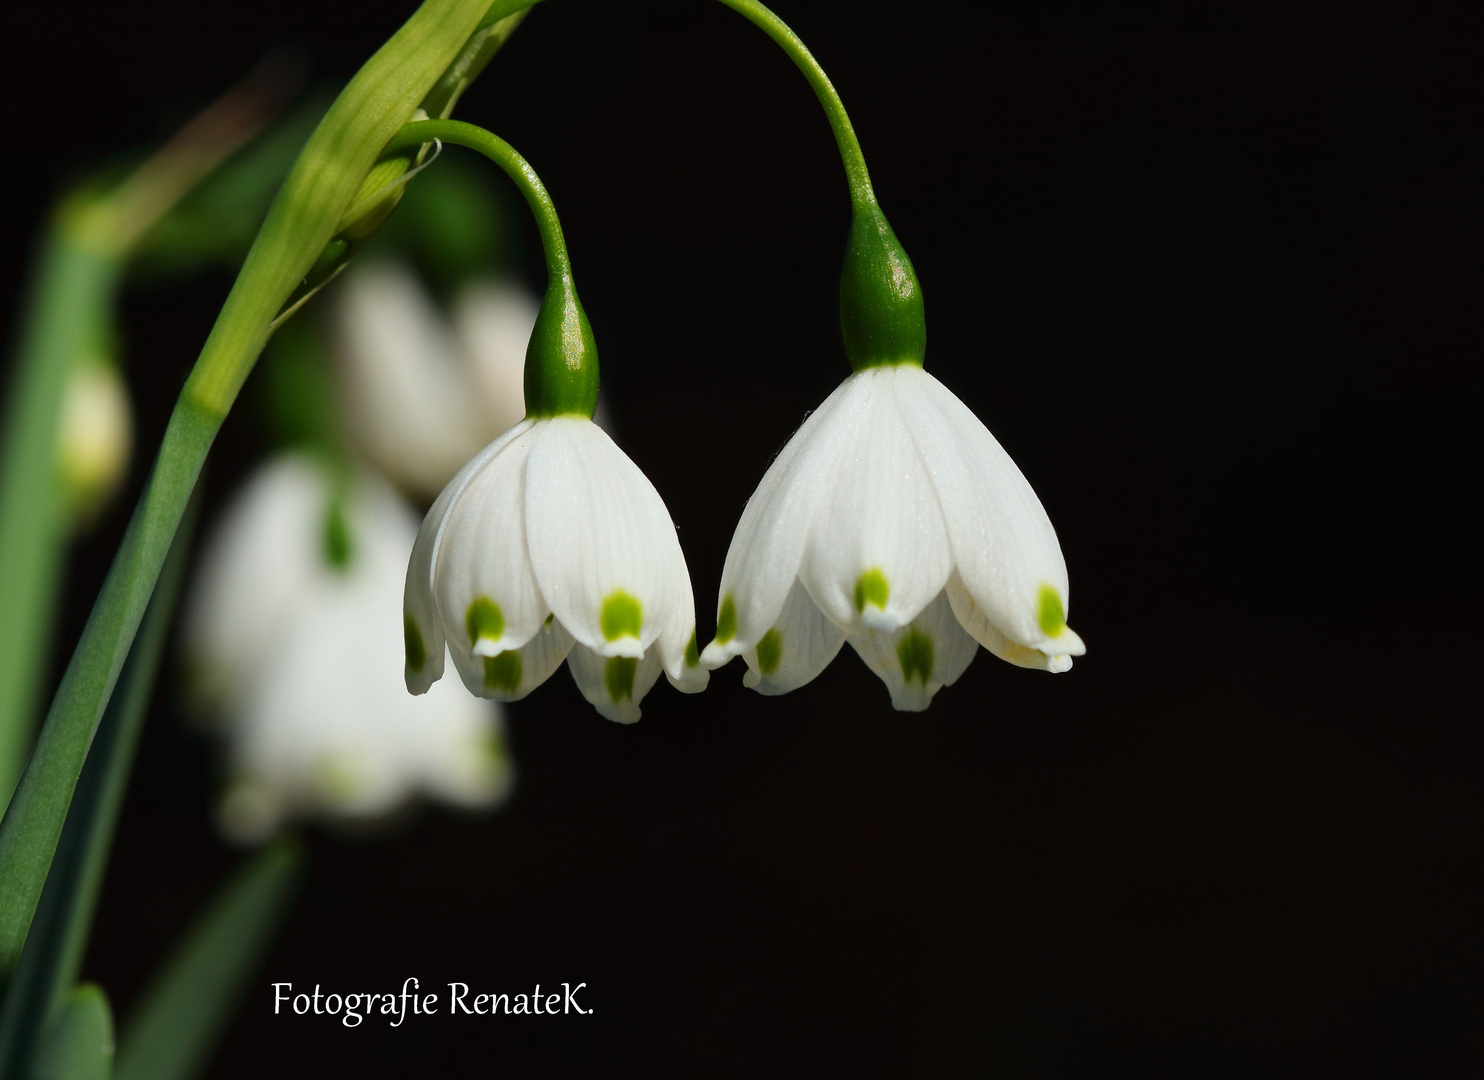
x=187 y=1006
x=78 y=1043
x=66 y=315
x=52 y=957
x=215 y=224
x=297 y=392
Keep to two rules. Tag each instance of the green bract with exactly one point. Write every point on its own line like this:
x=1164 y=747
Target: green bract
x=561 y=377
x=562 y=358
x=881 y=314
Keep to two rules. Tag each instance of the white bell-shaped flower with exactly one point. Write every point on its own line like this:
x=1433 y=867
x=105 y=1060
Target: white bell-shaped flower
x=549 y=545
x=894 y=520
x=423 y=392
x=290 y=638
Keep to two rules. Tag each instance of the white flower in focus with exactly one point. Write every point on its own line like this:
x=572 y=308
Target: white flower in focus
x=894 y=520
x=423 y=393
x=550 y=545
x=291 y=639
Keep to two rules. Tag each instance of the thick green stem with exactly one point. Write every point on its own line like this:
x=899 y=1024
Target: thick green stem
x=303 y=219
x=561 y=377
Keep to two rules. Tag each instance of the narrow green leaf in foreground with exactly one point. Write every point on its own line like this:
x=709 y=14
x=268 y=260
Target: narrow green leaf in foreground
x=53 y=955
x=184 y=1011
x=302 y=221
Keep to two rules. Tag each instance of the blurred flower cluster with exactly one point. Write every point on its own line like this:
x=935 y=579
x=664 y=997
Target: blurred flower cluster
x=291 y=638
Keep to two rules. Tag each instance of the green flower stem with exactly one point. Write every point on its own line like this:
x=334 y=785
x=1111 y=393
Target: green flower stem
x=301 y=222
x=561 y=377
x=881 y=311
x=458 y=133
x=856 y=174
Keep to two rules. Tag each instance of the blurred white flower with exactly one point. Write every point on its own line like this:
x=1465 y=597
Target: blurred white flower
x=95 y=435
x=291 y=640
x=552 y=542
x=423 y=393
x=894 y=520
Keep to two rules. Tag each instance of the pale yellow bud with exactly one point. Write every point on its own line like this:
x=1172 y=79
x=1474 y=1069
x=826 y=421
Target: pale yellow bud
x=94 y=438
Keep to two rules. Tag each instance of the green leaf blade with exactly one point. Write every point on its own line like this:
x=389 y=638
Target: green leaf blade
x=78 y=1043
x=187 y=1006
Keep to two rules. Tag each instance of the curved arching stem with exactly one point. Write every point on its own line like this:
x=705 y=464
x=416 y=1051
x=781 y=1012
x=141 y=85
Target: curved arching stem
x=856 y=174
x=516 y=167
x=561 y=377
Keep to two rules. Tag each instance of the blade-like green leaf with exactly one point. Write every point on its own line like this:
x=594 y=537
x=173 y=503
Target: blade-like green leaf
x=172 y=1031
x=54 y=948
x=65 y=317
x=302 y=221
x=78 y=1043
x=68 y=319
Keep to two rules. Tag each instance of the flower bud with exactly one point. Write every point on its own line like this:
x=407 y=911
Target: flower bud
x=95 y=434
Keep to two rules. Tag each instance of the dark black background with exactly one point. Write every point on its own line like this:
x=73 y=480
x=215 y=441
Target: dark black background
x=1210 y=272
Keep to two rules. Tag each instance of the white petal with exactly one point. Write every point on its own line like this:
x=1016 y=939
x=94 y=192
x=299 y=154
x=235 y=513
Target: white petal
x=614 y=685
x=880 y=533
x=983 y=631
x=419 y=608
x=493 y=320
x=326 y=729
x=482 y=566
x=1004 y=547
x=262 y=556
x=512 y=674
x=920 y=658
x=796 y=648
x=768 y=546
x=677 y=644
x=407 y=401
x=601 y=540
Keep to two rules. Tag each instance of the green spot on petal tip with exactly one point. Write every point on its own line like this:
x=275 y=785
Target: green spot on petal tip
x=726 y=620
x=1050 y=614
x=337 y=537
x=484 y=619
x=871 y=588
x=622 y=616
x=692 y=651
x=915 y=653
x=503 y=671
x=618 y=677
x=412 y=642
x=770 y=651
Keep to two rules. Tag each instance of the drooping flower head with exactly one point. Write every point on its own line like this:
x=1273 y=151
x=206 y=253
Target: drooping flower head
x=550 y=544
x=892 y=519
